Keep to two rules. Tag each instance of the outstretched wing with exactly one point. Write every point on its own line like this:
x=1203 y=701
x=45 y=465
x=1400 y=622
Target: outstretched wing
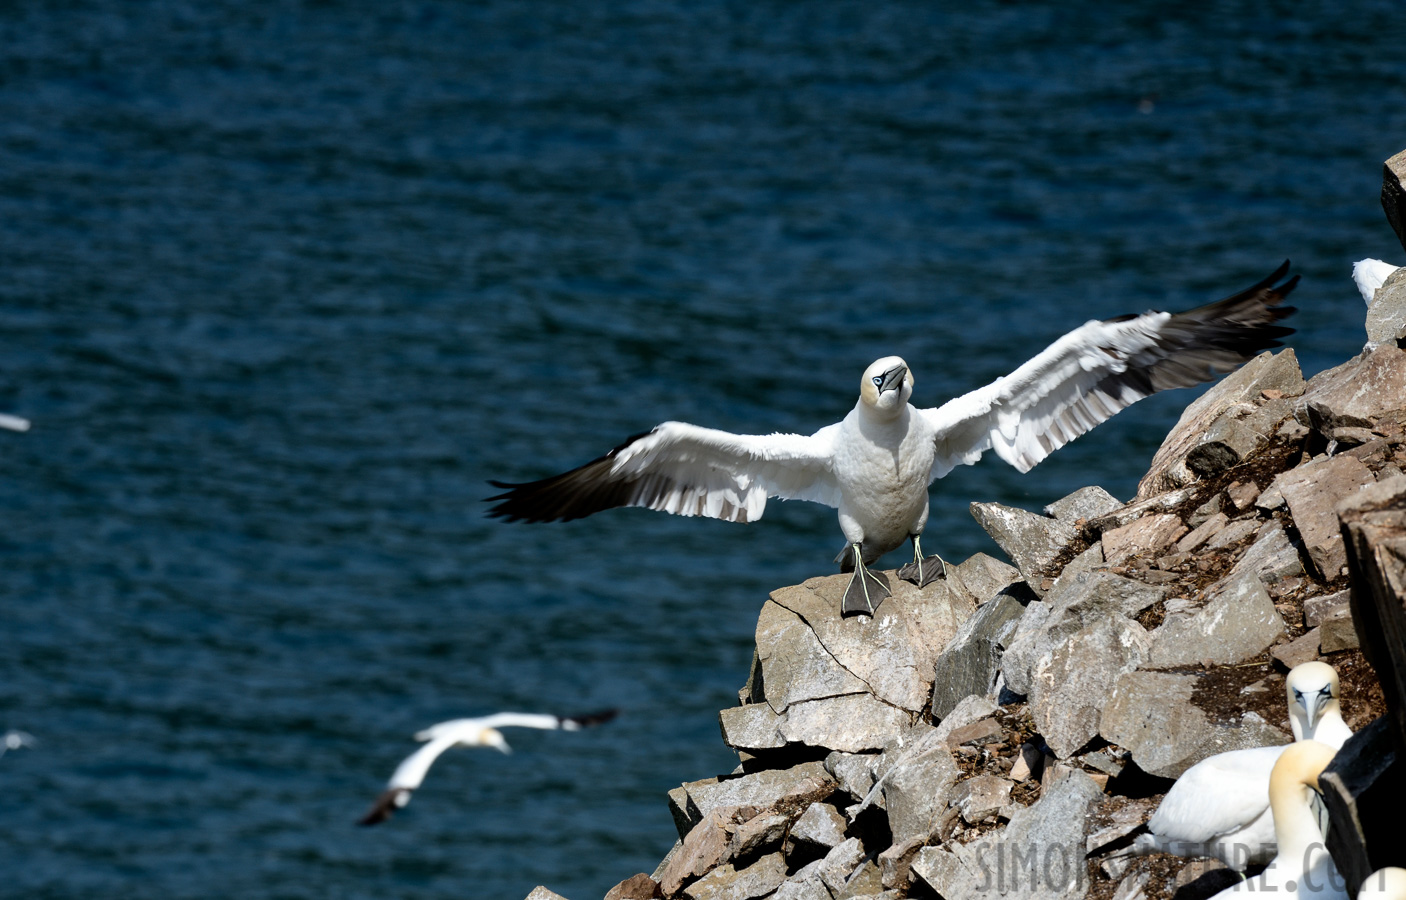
x=1102 y=367
x=686 y=470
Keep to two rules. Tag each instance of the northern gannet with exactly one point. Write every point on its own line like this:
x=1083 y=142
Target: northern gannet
x=1384 y=884
x=480 y=732
x=13 y=740
x=1369 y=274
x=875 y=465
x=1302 y=868
x=13 y=423
x=1220 y=806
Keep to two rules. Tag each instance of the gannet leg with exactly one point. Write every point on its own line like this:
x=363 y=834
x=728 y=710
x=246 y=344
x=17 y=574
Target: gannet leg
x=866 y=590
x=922 y=571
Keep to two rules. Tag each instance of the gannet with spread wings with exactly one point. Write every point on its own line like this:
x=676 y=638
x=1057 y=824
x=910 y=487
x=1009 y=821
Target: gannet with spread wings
x=875 y=465
x=480 y=732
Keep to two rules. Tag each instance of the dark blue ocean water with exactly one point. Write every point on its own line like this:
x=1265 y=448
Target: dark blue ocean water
x=282 y=285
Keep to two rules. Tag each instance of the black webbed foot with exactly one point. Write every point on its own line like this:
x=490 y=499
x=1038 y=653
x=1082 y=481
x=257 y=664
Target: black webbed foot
x=864 y=594
x=924 y=572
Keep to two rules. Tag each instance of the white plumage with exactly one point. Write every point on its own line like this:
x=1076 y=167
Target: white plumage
x=875 y=465
x=480 y=732
x=1220 y=806
x=1369 y=274
x=1384 y=884
x=1301 y=868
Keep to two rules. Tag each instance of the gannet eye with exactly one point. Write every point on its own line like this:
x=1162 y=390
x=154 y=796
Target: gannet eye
x=878 y=380
x=1325 y=691
x=1298 y=695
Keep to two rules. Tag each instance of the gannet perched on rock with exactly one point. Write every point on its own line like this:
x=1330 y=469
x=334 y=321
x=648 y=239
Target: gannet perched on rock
x=875 y=465
x=481 y=732
x=1302 y=868
x=1220 y=806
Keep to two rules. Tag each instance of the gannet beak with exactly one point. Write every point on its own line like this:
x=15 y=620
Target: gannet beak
x=1312 y=708
x=893 y=378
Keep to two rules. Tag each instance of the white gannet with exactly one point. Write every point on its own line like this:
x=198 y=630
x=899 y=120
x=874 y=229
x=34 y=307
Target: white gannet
x=877 y=463
x=1302 y=868
x=1384 y=884
x=1220 y=806
x=480 y=732
x=13 y=423
x=13 y=740
x=1369 y=275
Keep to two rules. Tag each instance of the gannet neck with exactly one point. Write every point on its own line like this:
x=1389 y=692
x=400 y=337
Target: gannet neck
x=885 y=389
x=1295 y=774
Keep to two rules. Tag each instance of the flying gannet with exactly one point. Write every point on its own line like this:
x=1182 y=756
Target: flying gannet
x=1302 y=868
x=1369 y=274
x=480 y=732
x=1220 y=806
x=1384 y=884
x=875 y=465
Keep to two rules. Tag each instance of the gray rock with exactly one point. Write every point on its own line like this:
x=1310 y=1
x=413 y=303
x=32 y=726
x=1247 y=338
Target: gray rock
x=793 y=788
x=541 y=893
x=865 y=881
x=1234 y=532
x=1170 y=501
x=726 y=883
x=973 y=708
x=1316 y=609
x=890 y=655
x=1086 y=503
x=1357 y=392
x=853 y=772
x=685 y=814
x=1312 y=490
x=1202 y=533
x=1339 y=633
x=915 y=789
x=1386 y=317
x=1271 y=558
x=1071 y=606
x=1300 y=650
x=821 y=825
x=982 y=577
x=804 y=885
x=759 y=833
x=1031 y=541
x=704 y=848
x=1235 y=435
x=981 y=796
x=636 y=887
x=751 y=727
x=837 y=866
x=1147 y=537
x=1277 y=372
x=971 y=661
x=1151 y=715
x=1040 y=854
x=1239 y=622
x=1070 y=684
x=982 y=731
x=851 y=722
x=1394 y=195
x=1088 y=561
x=1242 y=494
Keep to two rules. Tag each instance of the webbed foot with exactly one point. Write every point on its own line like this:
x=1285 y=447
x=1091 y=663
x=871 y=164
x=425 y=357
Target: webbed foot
x=865 y=591
x=922 y=571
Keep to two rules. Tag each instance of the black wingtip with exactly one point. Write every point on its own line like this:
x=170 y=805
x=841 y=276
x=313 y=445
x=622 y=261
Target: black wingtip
x=387 y=802
x=590 y=720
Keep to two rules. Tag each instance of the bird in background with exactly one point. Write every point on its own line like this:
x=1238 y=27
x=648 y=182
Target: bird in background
x=480 y=732
x=1302 y=867
x=1220 y=806
x=875 y=465
x=14 y=740
x=1370 y=274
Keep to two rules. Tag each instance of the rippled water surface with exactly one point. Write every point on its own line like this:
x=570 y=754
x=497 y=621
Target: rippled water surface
x=284 y=284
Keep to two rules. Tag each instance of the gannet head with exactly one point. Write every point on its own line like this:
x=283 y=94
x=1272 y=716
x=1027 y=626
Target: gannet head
x=1312 y=690
x=492 y=737
x=886 y=386
x=1299 y=766
x=1388 y=884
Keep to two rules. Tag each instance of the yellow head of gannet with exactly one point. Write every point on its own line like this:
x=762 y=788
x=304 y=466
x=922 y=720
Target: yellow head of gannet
x=1314 y=712
x=886 y=387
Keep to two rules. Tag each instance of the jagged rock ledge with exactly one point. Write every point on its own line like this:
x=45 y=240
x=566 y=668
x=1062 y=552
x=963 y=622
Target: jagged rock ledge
x=986 y=735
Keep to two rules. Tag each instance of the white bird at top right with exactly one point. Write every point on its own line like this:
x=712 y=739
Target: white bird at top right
x=1369 y=274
